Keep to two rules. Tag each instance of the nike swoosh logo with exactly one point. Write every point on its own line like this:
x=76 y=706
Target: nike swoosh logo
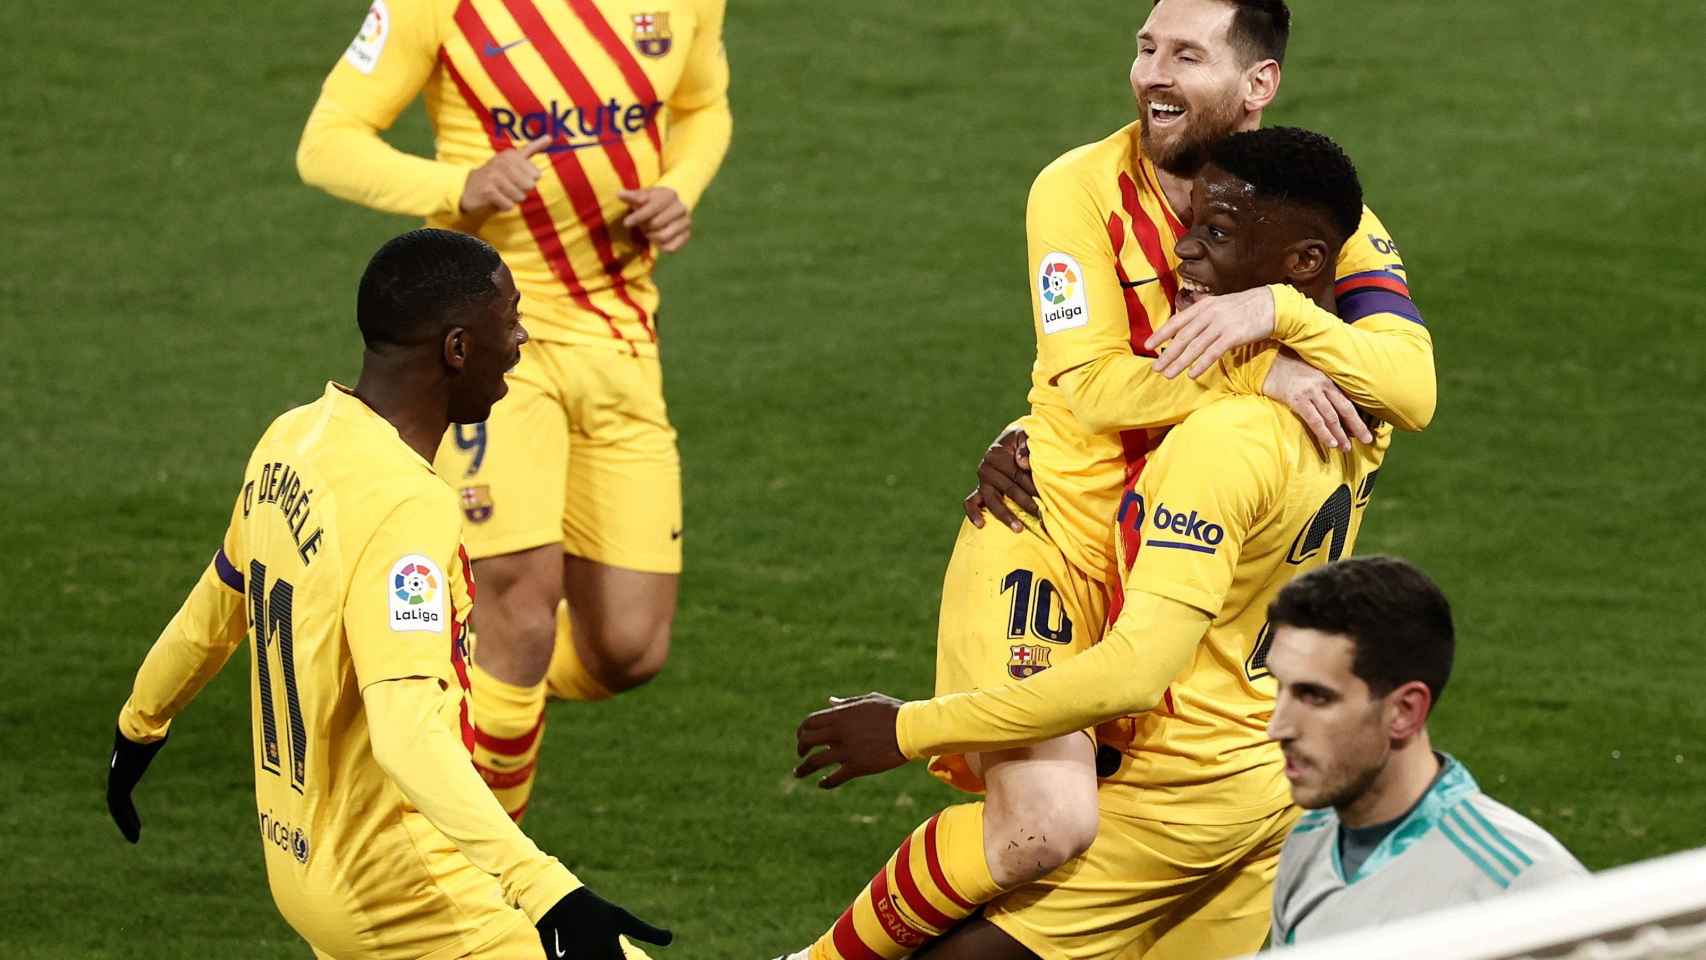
x=556 y=945
x=675 y=534
x=493 y=50
x=1129 y=284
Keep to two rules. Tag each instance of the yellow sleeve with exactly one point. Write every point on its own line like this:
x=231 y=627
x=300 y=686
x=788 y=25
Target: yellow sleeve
x=1078 y=310
x=384 y=68
x=700 y=123
x=1124 y=674
x=1211 y=482
x=429 y=765
x=397 y=610
x=1376 y=347
x=193 y=648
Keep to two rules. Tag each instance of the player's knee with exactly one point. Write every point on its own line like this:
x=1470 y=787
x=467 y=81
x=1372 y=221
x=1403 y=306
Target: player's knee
x=515 y=623
x=1032 y=836
x=631 y=651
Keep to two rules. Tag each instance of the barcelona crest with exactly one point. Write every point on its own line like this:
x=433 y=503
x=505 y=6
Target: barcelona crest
x=651 y=34
x=1026 y=659
x=477 y=503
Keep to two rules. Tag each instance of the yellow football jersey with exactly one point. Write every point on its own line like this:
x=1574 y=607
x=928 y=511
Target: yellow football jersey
x=1100 y=237
x=1235 y=503
x=633 y=95
x=345 y=549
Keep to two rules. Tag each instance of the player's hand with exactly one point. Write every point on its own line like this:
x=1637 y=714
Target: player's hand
x=857 y=733
x=658 y=215
x=1203 y=331
x=584 y=924
x=1328 y=414
x=1004 y=471
x=129 y=762
x=503 y=181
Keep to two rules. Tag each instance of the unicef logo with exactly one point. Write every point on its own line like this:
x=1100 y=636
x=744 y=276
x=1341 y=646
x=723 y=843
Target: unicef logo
x=1058 y=282
x=415 y=584
x=299 y=845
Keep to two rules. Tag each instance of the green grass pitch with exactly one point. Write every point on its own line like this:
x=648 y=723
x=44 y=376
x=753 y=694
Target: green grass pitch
x=847 y=329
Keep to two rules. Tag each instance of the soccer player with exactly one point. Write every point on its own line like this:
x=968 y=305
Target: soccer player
x=576 y=137
x=343 y=564
x=1101 y=228
x=1362 y=650
x=1234 y=503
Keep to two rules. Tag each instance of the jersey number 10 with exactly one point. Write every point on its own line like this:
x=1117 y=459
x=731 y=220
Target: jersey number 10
x=269 y=617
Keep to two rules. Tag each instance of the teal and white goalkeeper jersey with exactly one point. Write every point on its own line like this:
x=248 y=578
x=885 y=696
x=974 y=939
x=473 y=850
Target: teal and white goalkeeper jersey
x=1457 y=846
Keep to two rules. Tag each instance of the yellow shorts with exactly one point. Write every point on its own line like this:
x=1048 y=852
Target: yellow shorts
x=580 y=452
x=1012 y=606
x=1154 y=890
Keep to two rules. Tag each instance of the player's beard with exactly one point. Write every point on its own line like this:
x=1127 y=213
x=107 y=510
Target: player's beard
x=1185 y=152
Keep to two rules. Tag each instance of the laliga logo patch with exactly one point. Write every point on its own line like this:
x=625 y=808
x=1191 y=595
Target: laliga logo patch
x=416 y=596
x=369 y=42
x=1060 y=294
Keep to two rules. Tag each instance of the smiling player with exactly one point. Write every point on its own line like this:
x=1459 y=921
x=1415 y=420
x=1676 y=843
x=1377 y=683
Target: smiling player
x=343 y=564
x=576 y=137
x=1234 y=503
x=1101 y=226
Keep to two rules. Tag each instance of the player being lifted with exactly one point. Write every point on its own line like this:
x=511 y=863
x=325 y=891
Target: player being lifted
x=344 y=565
x=576 y=137
x=1101 y=225
x=1234 y=503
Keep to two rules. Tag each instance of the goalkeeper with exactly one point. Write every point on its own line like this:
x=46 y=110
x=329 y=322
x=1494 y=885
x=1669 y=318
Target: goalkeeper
x=344 y=567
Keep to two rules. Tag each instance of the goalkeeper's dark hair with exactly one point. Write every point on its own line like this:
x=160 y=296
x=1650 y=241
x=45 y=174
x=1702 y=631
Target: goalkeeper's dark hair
x=1260 y=29
x=421 y=282
x=1394 y=614
x=1291 y=165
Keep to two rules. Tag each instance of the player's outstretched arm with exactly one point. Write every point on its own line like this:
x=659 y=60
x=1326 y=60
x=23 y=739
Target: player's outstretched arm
x=874 y=733
x=430 y=766
x=189 y=652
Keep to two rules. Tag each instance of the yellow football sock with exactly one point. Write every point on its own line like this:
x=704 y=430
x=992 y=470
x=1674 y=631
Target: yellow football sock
x=567 y=678
x=937 y=878
x=508 y=723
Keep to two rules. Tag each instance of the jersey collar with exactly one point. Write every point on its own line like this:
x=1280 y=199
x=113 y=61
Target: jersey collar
x=1453 y=784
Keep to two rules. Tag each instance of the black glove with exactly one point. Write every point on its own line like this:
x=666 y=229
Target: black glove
x=584 y=925
x=129 y=762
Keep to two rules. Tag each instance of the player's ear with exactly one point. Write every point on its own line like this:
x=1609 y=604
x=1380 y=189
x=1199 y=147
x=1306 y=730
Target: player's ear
x=1261 y=85
x=1407 y=710
x=1305 y=261
x=456 y=341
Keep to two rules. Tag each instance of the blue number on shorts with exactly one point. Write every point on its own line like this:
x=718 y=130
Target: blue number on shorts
x=1019 y=581
x=472 y=436
x=1039 y=619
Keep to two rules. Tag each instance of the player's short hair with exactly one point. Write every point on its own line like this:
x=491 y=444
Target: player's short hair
x=1291 y=165
x=1394 y=615
x=418 y=282
x=1260 y=29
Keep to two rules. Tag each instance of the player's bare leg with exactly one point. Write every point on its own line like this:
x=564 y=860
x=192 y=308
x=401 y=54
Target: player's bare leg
x=515 y=622
x=978 y=939
x=1040 y=809
x=1039 y=812
x=619 y=624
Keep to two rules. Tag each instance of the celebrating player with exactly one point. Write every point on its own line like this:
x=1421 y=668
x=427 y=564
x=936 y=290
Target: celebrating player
x=1234 y=503
x=1361 y=652
x=344 y=565
x=1101 y=227
x=577 y=141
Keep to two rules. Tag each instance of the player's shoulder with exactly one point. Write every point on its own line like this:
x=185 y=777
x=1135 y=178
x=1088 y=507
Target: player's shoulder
x=1084 y=167
x=1249 y=419
x=1512 y=847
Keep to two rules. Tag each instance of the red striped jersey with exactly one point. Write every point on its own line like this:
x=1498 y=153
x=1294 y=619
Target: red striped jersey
x=605 y=80
x=1100 y=236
